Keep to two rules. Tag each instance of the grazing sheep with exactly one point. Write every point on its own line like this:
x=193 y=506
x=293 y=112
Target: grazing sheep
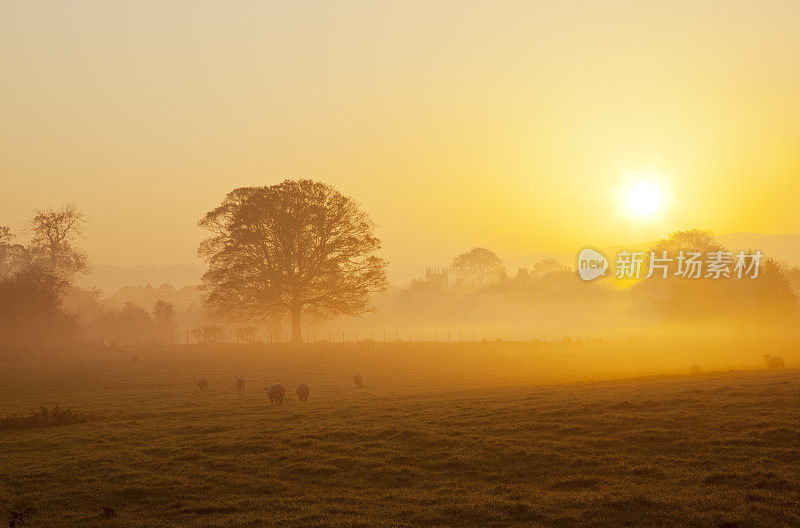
x=695 y=369
x=276 y=393
x=303 y=391
x=241 y=383
x=773 y=362
x=202 y=383
x=358 y=379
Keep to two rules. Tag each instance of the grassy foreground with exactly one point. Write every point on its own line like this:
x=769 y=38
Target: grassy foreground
x=440 y=435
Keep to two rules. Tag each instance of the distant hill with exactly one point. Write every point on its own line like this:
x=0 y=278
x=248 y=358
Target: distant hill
x=183 y=299
x=112 y=278
x=782 y=247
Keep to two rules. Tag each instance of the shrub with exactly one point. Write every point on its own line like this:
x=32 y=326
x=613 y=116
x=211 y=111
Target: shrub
x=44 y=417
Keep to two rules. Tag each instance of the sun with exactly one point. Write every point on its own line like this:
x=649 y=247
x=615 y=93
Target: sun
x=644 y=200
x=643 y=196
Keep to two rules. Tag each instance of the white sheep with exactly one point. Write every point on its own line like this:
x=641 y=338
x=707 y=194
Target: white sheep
x=358 y=379
x=241 y=383
x=303 y=391
x=774 y=362
x=202 y=383
x=276 y=393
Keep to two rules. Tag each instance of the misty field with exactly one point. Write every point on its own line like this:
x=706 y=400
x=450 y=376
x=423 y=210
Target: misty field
x=494 y=434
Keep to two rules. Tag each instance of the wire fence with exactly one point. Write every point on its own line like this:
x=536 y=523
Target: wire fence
x=396 y=336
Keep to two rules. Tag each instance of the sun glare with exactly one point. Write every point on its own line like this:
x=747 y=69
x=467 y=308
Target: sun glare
x=644 y=200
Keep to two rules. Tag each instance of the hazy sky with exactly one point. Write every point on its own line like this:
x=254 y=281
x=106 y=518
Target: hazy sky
x=509 y=125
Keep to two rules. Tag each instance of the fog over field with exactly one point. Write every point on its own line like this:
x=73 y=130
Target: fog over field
x=467 y=435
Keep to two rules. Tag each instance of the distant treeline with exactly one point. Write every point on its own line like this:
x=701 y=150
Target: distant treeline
x=39 y=303
x=552 y=295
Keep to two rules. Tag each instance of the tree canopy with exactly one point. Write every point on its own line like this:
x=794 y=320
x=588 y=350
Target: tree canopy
x=767 y=299
x=477 y=267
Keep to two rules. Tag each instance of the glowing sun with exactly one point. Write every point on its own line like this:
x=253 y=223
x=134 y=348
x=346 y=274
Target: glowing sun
x=644 y=200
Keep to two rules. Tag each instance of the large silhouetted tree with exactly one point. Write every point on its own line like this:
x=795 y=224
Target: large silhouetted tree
x=298 y=246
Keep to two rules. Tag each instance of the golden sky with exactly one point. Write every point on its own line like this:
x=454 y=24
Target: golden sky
x=509 y=125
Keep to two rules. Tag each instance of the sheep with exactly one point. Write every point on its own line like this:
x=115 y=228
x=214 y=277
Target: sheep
x=695 y=369
x=241 y=383
x=358 y=379
x=202 y=383
x=303 y=391
x=773 y=362
x=276 y=393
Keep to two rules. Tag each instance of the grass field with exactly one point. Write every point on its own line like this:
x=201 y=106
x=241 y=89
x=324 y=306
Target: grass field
x=500 y=434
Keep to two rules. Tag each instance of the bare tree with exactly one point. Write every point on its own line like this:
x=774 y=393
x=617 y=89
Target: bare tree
x=52 y=244
x=298 y=246
x=478 y=267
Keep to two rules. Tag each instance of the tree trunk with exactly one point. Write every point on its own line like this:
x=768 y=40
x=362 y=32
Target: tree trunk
x=276 y=327
x=297 y=335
